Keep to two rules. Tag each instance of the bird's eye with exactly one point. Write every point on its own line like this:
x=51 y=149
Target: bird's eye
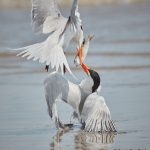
x=83 y=42
x=81 y=27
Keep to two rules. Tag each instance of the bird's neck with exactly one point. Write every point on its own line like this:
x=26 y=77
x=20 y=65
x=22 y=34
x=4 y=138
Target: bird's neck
x=86 y=84
x=84 y=95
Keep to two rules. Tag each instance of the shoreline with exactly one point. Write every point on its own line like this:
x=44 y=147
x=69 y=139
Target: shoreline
x=19 y=4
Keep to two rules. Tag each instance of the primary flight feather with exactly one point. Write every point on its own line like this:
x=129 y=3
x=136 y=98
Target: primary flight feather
x=47 y=19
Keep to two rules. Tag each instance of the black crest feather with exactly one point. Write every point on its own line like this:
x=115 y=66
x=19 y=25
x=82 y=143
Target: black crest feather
x=96 y=78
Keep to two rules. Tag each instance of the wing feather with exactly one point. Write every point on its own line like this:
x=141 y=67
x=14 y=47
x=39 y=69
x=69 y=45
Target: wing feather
x=46 y=16
x=53 y=56
x=96 y=115
x=75 y=15
x=73 y=25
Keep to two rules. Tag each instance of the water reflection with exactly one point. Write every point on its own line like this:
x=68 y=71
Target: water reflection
x=83 y=140
x=92 y=141
x=55 y=145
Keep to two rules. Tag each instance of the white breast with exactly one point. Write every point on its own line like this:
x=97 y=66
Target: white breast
x=74 y=96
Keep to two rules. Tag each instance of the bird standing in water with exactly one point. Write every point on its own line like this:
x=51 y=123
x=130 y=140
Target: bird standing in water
x=89 y=107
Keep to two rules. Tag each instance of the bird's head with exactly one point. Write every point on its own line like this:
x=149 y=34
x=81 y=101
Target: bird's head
x=95 y=85
x=87 y=40
x=82 y=52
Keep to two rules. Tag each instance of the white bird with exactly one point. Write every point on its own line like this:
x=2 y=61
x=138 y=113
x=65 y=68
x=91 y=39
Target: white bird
x=90 y=108
x=81 y=55
x=47 y=19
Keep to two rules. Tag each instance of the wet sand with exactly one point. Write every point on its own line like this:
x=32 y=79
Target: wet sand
x=120 y=53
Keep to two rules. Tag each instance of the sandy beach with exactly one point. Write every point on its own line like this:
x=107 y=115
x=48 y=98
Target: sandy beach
x=120 y=53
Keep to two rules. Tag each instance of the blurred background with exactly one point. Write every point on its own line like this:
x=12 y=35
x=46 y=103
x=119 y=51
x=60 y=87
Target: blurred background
x=120 y=53
x=26 y=3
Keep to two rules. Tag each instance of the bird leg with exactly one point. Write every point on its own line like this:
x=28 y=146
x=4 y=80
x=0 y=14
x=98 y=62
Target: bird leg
x=47 y=68
x=60 y=125
x=69 y=125
x=75 y=115
x=83 y=125
x=64 y=69
x=64 y=126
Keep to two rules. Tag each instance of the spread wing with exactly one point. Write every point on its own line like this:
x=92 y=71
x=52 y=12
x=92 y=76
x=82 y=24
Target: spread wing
x=75 y=15
x=46 y=17
x=73 y=26
x=47 y=52
x=96 y=115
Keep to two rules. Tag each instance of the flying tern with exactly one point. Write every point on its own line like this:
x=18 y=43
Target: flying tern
x=47 y=19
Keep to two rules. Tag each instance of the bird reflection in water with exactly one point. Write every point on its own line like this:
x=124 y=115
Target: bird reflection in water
x=55 y=145
x=84 y=140
x=90 y=141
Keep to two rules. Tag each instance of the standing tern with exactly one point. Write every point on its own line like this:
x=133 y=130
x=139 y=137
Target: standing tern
x=89 y=107
x=47 y=19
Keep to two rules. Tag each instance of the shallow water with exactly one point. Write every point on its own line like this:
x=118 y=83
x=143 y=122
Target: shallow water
x=120 y=52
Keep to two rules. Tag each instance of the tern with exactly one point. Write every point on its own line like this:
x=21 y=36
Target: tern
x=81 y=55
x=47 y=19
x=89 y=107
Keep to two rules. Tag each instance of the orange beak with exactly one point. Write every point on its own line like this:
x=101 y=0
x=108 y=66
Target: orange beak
x=79 y=53
x=85 y=68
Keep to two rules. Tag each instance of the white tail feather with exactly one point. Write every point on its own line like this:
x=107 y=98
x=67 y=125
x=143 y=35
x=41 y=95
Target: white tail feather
x=44 y=52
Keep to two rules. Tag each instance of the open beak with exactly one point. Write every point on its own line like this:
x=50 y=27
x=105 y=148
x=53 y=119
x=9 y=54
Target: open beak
x=85 y=68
